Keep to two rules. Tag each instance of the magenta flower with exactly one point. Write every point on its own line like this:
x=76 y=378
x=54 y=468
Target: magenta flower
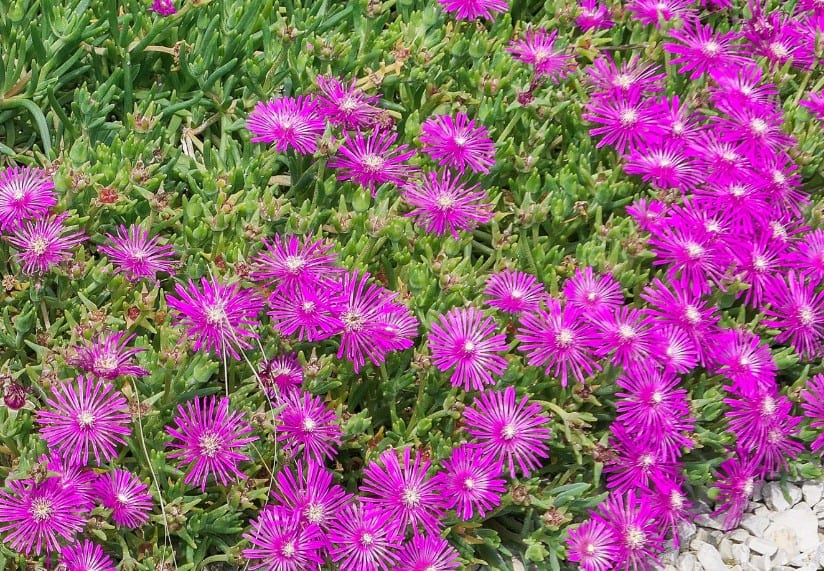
x=373 y=161
x=87 y=417
x=428 y=553
x=592 y=15
x=306 y=424
x=537 y=48
x=815 y=103
x=701 y=50
x=290 y=262
x=740 y=356
x=364 y=539
x=287 y=122
x=36 y=517
x=466 y=340
x=637 y=530
x=757 y=262
x=653 y=12
x=593 y=293
x=812 y=402
x=74 y=478
x=41 y=244
x=675 y=349
x=25 y=193
x=513 y=291
x=559 y=338
x=137 y=256
x=85 y=556
x=346 y=105
x=207 y=438
x=441 y=203
x=280 y=542
x=220 y=317
x=457 y=143
x=593 y=546
x=108 y=357
x=664 y=165
x=735 y=480
x=282 y=374
x=471 y=481
x=671 y=507
x=509 y=431
x=124 y=494
x=311 y=312
x=634 y=75
x=796 y=307
x=474 y=9
x=626 y=335
x=626 y=121
x=403 y=491
x=311 y=494
x=163 y=7
x=675 y=304
x=756 y=129
x=640 y=464
x=690 y=254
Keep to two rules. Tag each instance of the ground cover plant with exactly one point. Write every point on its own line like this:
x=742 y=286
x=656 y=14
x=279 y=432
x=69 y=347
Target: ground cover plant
x=403 y=284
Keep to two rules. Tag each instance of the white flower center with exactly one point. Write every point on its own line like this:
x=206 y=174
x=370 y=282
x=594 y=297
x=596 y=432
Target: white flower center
x=692 y=314
x=216 y=314
x=348 y=103
x=768 y=406
x=352 y=320
x=367 y=539
x=460 y=140
x=629 y=117
x=309 y=424
x=623 y=80
x=626 y=332
x=411 y=497
x=105 y=364
x=288 y=550
x=508 y=432
x=676 y=500
x=209 y=444
x=779 y=50
x=748 y=487
x=759 y=126
x=85 y=419
x=39 y=245
x=678 y=127
x=759 y=262
x=657 y=397
x=564 y=338
x=694 y=251
x=806 y=315
x=294 y=264
x=41 y=509
x=635 y=538
x=469 y=484
x=445 y=201
x=314 y=513
x=711 y=48
x=372 y=163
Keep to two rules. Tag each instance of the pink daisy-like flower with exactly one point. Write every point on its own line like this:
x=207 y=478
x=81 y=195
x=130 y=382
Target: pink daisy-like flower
x=626 y=335
x=634 y=75
x=474 y=9
x=207 y=438
x=290 y=262
x=137 y=256
x=85 y=556
x=373 y=161
x=593 y=15
x=701 y=50
x=86 y=417
x=815 y=103
x=456 y=142
x=653 y=12
x=281 y=542
x=36 y=517
x=736 y=479
x=163 y=7
x=313 y=312
x=403 y=491
x=559 y=338
x=509 y=431
x=281 y=374
x=690 y=255
x=219 y=317
x=741 y=87
x=513 y=291
x=640 y=463
x=665 y=165
x=25 y=193
x=537 y=48
x=812 y=402
x=427 y=553
x=287 y=122
x=471 y=481
x=108 y=357
x=441 y=204
x=648 y=214
x=797 y=309
x=592 y=292
x=757 y=262
x=124 y=494
x=671 y=507
x=41 y=244
x=808 y=255
x=398 y=327
x=740 y=356
x=74 y=478
x=346 y=105
x=593 y=546
x=675 y=304
x=311 y=494
x=306 y=424
x=637 y=530
x=676 y=350
x=466 y=340
x=626 y=121
x=364 y=539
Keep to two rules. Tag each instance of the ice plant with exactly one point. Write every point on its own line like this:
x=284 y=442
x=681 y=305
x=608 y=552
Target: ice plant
x=107 y=357
x=513 y=291
x=290 y=262
x=466 y=340
x=371 y=161
x=307 y=425
x=25 y=193
x=593 y=546
x=85 y=556
x=364 y=539
x=310 y=493
x=796 y=307
x=403 y=491
x=43 y=243
x=473 y=9
x=163 y=7
x=593 y=15
x=38 y=517
x=220 y=317
x=632 y=520
x=735 y=480
x=280 y=542
x=346 y=105
x=813 y=405
x=428 y=553
x=85 y=418
x=441 y=203
x=701 y=50
x=137 y=256
x=627 y=123
x=456 y=142
x=207 y=440
x=471 y=482
x=311 y=312
x=537 y=48
x=592 y=292
x=124 y=494
x=514 y=433
x=281 y=374
x=288 y=122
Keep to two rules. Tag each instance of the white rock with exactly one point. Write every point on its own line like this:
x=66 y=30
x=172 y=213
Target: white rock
x=755 y=524
x=780 y=558
x=725 y=549
x=710 y=559
x=794 y=530
x=761 y=563
x=762 y=546
x=738 y=535
x=812 y=492
x=761 y=510
x=517 y=565
x=774 y=496
x=705 y=520
x=740 y=553
x=714 y=537
x=686 y=562
x=686 y=531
